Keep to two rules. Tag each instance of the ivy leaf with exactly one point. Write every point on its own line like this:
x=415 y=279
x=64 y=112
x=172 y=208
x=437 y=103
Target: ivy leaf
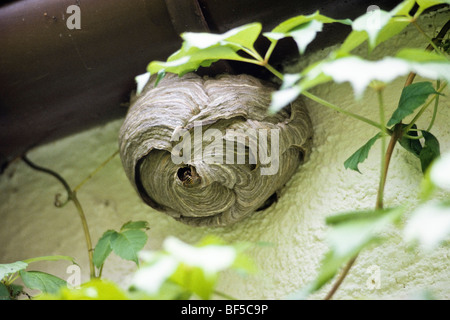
x=9 y=268
x=418 y=55
x=302 y=35
x=141 y=81
x=430 y=151
x=103 y=248
x=440 y=172
x=237 y=38
x=193 y=269
x=349 y=234
x=360 y=73
x=128 y=243
x=42 y=281
x=429 y=225
x=297 y=21
x=425 y=4
x=193 y=60
x=302 y=29
x=135 y=225
x=412 y=97
x=203 y=49
x=97 y=289
x=377 y=26
x=4 y=292
x=361 y=154
x=282 y=98
x=195 y=280
x=372 y=23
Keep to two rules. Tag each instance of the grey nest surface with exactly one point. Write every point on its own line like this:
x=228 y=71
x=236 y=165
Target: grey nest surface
x=206 y=151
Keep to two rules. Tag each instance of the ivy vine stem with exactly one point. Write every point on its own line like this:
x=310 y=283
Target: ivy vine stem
x=383 y=170
x=327 y=104
x=72 y=196
x=96 y=171
x=430 y=40
x=424 y=107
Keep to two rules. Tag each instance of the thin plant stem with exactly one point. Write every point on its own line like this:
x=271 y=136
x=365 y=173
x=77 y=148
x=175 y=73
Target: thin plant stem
x=72 y=196
x=95 y=171
x=396 y=135
x=253 y=53
x=424 y=107
x=379 y=204
x=224 y=295
x=341 y=278
x=427 y=37
x=433 y=117
x=269 y=51
x=87 y=234
x=274 y=71
x=325 y=103
x=412 y=137
x=339 y=109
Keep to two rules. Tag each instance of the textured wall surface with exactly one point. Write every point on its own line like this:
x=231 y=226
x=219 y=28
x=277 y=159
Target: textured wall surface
x=31 y=226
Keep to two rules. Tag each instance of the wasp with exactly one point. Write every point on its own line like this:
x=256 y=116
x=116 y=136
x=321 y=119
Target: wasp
x=189 y=176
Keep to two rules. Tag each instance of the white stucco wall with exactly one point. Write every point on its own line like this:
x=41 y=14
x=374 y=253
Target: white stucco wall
x=31 y=226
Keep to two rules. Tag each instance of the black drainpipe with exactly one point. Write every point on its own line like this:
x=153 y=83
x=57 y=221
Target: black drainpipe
x=55 y=81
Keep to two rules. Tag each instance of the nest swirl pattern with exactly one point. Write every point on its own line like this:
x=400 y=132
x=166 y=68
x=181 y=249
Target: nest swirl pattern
x=211 y=184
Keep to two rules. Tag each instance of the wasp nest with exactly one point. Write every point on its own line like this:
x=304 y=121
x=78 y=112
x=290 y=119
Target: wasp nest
x=206 y=151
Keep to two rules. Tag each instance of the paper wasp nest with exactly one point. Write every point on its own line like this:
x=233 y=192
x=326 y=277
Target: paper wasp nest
x=206 y=151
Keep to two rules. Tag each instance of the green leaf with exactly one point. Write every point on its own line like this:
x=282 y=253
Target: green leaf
x=418 y=55
x=194 y=60
x=377 y=26
x=4 y=292
x=429 y=225
x=430 y=151
x=128 y=243
x=10 y=292
x=42 y=281
x=372 y=23
x=282 y=98
x=194 y=269
x=440 y=172
x=349 y=234
x=411 y=145
x=195 y=280
x=157 y=268
x=141 y=81
x=135 y=225
x=237 y=38
x=302 y=29
x=302 y=35
x=412 y=97
x=9 y=268
x=360 y=73
x=293 y=23
x=203 y=49
x=103 y=248
x=425 y=4
x=92 y=290
x=50 y=258
x=360 y=155
x=353 y=40
x=210 y=258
